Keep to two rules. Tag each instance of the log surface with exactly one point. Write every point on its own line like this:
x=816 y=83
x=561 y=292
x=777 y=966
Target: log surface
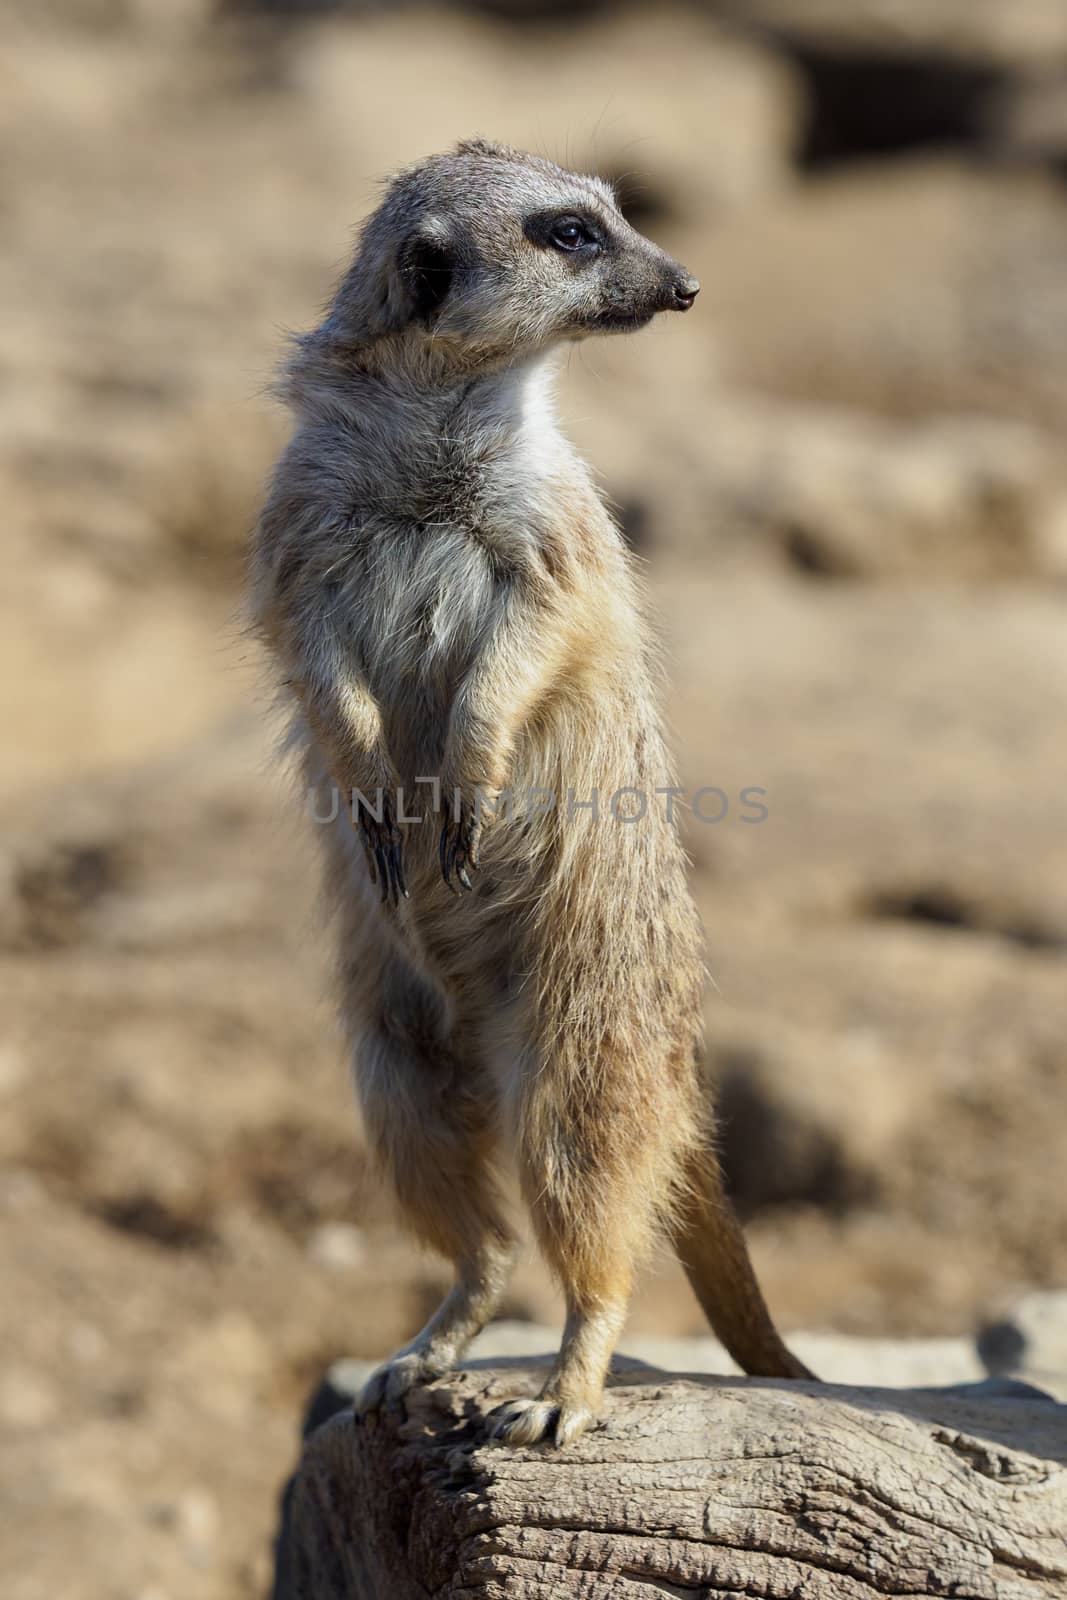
x=691 y=1487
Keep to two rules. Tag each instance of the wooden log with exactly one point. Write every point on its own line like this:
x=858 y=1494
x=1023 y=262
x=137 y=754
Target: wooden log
x=691 y=1487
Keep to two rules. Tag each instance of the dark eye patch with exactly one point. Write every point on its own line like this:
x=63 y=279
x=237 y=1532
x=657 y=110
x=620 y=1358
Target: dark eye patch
x=572 y=232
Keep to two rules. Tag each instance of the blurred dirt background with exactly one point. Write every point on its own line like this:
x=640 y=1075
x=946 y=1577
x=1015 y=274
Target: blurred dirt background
x=845 y=473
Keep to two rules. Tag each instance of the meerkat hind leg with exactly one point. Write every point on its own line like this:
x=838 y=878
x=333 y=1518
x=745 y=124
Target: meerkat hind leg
x=434 y=1132
x=435 y=1350
x=590 y=1222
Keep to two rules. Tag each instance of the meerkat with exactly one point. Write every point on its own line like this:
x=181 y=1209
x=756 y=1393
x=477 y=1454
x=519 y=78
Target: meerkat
x=457 y=623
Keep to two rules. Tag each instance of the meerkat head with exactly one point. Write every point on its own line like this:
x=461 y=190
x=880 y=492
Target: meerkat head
x=490 y=255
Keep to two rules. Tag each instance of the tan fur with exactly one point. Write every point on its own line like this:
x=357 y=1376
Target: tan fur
x=447 y=598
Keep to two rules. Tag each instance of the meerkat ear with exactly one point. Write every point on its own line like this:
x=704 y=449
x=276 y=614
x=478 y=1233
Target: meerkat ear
x=426 y=266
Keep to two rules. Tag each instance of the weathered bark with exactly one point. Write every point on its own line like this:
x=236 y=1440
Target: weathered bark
x=691 y=1487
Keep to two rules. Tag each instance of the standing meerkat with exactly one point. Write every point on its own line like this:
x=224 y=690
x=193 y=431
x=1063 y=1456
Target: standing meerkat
x=447 y=599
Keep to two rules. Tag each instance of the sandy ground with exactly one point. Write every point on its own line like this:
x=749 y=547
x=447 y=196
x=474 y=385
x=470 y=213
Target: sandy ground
x=842 y=474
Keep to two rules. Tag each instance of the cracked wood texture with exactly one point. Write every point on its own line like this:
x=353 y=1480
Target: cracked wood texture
x=690 y=1487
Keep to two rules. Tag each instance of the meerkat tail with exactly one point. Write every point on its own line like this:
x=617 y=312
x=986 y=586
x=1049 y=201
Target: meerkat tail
x=712 y=1250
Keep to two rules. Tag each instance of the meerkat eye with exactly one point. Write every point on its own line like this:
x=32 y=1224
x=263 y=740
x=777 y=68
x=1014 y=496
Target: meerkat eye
x=571 y=233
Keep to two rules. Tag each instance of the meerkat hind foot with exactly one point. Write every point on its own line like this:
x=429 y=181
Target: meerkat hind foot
x=519 y=1422
x=405 y=1371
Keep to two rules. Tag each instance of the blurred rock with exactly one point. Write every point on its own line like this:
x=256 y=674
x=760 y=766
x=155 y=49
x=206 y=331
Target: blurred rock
x=26 y=1401
x=1031 y=1341
x=1051 y=539
x=926 y=288
x=841 y=495
x=338 y=1246
x=169 y=18
x=1023 y=31
x=885 y=78
x=1028 y=118
x=204 y=498
x=1026 y=30
x=804 y=1118
x=458 y=81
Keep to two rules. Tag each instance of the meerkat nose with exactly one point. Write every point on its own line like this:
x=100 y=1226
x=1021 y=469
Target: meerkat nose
x=685 y=292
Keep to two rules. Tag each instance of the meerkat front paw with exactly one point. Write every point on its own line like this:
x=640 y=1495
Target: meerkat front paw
x=388 y=1384
x=383 y=846
x=459 y=845
x=519 y=1422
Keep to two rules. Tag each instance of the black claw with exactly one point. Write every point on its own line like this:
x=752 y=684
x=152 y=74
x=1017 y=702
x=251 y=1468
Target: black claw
x=444 y=860
x=396 y=875
x=458 y=851
x=401 y=883
x=383 y=848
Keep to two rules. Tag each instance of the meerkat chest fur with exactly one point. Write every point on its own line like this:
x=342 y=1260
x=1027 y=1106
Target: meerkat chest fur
x=447 y=509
